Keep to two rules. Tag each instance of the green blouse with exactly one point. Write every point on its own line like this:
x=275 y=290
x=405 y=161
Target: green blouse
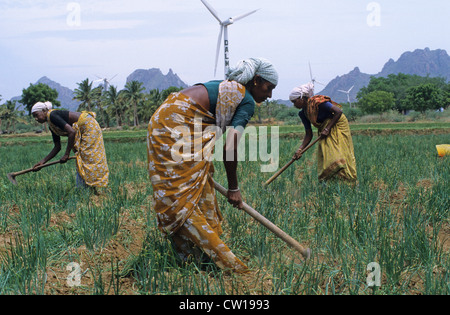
x=244 y=111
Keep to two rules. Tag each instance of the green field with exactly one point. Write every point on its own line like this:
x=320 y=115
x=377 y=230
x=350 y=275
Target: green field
x=397 y=217
x=357 y=128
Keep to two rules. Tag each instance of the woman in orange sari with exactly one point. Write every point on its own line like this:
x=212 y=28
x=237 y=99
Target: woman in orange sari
x=180 y=142
x=336 y=158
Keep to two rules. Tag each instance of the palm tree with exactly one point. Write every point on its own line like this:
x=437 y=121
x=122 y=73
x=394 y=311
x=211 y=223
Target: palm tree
x=149 y=105
x=133 y=94
x=97 y=105
x=116 y=104
x=11 y=115
x=85 y=94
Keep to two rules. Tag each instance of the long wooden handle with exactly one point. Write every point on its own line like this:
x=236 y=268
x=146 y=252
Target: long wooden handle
x=44 y=165
x=306 y=252
x=288 y=164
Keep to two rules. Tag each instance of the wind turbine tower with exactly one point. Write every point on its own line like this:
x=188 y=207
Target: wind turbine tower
x=105 y=82
x=224 y=32
x=348 y=95
x=313 y=79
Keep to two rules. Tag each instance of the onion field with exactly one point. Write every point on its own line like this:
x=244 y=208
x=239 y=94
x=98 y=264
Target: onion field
x=388 y=235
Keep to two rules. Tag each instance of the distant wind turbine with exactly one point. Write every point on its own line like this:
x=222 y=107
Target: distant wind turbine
x=105 y=82
x=313 y=79
x=348 y=95
x=224 y=31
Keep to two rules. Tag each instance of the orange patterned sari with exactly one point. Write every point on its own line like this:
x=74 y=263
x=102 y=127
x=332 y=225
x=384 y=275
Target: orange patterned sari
x=180 y=143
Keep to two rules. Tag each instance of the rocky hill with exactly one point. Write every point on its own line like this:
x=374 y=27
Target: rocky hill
x=151 y=79
x=65 y=95
x=155 y=79
x=422 y=62
x=354 y=78
x=435 y=63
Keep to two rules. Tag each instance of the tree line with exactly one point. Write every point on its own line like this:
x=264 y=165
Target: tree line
x=402 y=92
x=132 y=105
x=127 y=107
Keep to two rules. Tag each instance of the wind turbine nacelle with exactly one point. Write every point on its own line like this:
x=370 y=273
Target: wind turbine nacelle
x=228 y=22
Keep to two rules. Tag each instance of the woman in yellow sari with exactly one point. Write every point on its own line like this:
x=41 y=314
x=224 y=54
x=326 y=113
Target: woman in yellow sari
x=84 y=138
x=336 y=158
x=180 y=142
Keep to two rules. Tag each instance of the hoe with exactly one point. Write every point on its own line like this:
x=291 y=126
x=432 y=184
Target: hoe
x=288 y=164
x=305 y=252
x=12 y=176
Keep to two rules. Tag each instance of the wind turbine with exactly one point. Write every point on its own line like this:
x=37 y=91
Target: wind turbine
x=348 y=94
x=224 y=31
x=313 y=79
x=105 y=82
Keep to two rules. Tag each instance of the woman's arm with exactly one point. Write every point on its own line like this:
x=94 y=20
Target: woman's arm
x=306 y=141
x=337 y=113
x=52 y=154
x=230 y=160
x=70 y=142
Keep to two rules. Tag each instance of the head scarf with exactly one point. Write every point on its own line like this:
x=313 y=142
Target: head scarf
x=248 y=68
x=303 y=90
x=40 y=106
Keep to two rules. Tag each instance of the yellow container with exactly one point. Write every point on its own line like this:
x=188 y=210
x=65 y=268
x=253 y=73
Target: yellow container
x=443 y=149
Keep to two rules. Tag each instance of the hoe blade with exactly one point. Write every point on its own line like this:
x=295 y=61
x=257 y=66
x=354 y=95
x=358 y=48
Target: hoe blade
x=12 y=178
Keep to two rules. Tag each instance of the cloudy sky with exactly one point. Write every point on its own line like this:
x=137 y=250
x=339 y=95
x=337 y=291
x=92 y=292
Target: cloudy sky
x=69 y=41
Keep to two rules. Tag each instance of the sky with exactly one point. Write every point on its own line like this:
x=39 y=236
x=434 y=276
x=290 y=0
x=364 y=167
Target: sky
x=69 y=41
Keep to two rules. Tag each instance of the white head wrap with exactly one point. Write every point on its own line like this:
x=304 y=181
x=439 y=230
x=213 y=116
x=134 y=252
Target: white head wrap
x=40 y=106
x=248 y=68
x=303 y=90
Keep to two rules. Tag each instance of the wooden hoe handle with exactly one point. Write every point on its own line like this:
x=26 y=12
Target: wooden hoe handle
x=288 y=164
x=306 y=252
x=12 y=176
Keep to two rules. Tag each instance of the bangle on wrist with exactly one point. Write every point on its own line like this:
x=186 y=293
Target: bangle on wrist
x=234 y=190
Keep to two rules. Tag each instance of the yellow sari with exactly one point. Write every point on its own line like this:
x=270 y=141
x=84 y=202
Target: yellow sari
x=89 y=149
x=335 y=155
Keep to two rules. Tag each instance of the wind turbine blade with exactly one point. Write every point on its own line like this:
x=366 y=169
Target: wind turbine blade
x=113 y=77
x=211 y=9
x=351 y=88
x=243 y=16
x=219 y=43
x=342 y=91
x=310 y=71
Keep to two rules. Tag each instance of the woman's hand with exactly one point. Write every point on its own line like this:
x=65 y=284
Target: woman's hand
x=64 y=159
x=325 y=132
x=298 y=154
x=38 y=166
x=235 y=198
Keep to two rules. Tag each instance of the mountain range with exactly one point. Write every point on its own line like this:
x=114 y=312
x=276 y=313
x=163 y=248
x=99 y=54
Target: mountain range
x=151 y=79
x=154 y=79
x=422 y=62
